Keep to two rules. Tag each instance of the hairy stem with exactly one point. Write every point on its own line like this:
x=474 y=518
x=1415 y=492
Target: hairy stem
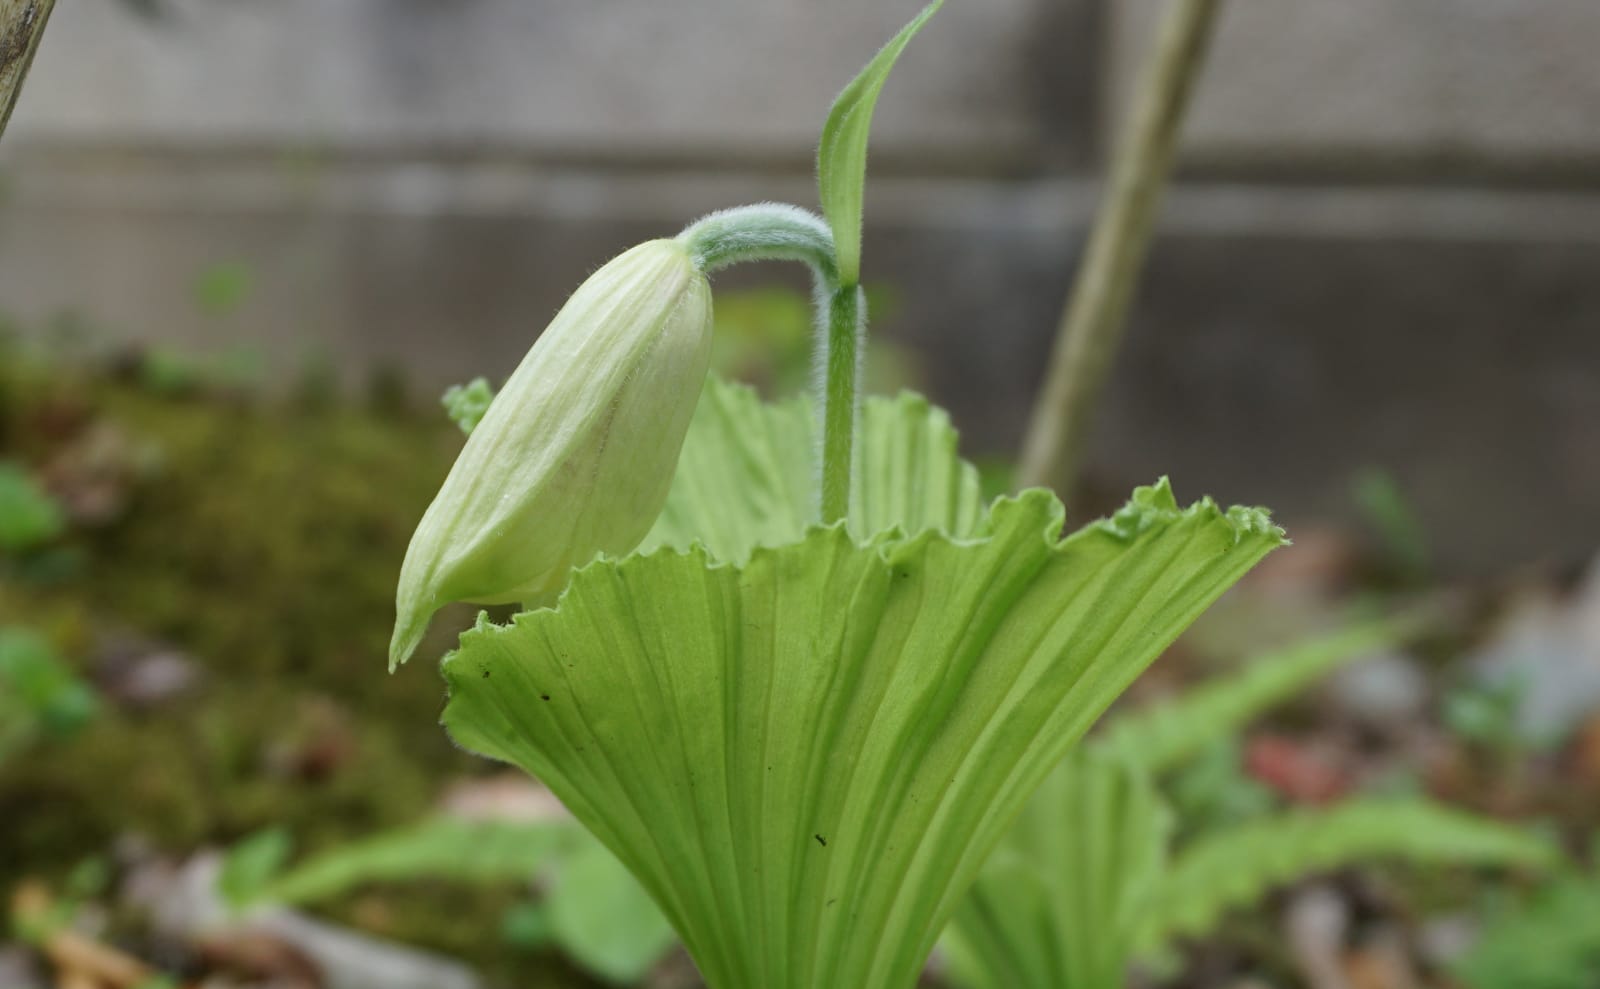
x=1092 y=325
x=846 y=309
x=775 y=232
x=21 y=26
x=765 y=232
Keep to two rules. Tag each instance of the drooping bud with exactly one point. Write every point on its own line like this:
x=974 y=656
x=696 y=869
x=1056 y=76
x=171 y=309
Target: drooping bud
x=575 y=455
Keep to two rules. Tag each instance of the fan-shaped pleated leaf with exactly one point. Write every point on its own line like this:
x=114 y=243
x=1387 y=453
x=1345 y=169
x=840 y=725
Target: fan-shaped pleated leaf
x=805 y=757
x=907 y=472
x=1060 y=902
x=747 y=474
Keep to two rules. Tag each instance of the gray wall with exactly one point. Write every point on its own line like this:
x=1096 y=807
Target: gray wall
x=1385 y=248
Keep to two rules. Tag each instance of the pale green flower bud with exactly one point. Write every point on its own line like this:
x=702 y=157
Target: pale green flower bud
x=575 y=455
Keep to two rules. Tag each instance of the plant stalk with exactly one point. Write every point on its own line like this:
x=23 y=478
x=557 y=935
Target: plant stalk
x=841 y=394
x=1092 y=325
x=21 y=26
x=773 y=232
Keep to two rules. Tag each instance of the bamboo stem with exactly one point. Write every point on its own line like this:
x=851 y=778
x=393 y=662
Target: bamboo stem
x=21 y=26
x=1092 y=324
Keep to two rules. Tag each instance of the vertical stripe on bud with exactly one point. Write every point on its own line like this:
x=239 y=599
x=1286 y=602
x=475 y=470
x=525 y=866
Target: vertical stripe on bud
x=575 y=455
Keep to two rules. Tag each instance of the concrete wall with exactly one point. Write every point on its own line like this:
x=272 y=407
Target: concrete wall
x=1385 y=249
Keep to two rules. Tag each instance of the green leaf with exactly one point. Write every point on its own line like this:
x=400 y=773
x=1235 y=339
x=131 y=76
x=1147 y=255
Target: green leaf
x=1552 y=942
x=596 y=910
x=603 y=918
x=842 y=153
x=806 y=757
x=747 y=473
x=1379 y=496
x=744 y=478
x=526 y=925
x=1060 y=903
x=1165 y=734
x=250 y=866
x=447 y=848
x=907 y=473
x=1238 y=866
x=28 y=516
x=40 y=696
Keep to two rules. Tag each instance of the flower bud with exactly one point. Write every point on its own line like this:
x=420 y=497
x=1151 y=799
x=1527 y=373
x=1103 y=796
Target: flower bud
x=575 y=455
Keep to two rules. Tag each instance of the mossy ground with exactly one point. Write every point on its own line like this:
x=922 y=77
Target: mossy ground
x=260 y=540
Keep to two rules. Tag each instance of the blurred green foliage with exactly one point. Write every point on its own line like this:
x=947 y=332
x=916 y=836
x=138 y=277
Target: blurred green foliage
x=763 y=338
x=1389 y=513
x=1550 y=940
x=39 y=695
x=28 y=516
x=258 y=542
x=264 y=551
x=600 y=915
x=1213 y=792
x=1485 y=713
x=1096 y=872
x=222 y=288
x=466 y=404
x=590 y=907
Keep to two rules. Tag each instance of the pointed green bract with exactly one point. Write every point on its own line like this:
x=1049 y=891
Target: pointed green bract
x=1103 y=824
x=842 y=154
x=805 y=757
x=747 y=474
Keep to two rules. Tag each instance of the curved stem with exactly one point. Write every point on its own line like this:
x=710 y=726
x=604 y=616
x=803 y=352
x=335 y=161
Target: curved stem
x=775 y=232
x=765 y=232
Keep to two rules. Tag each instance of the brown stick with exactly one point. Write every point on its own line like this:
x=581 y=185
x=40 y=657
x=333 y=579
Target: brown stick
x=76 y=980
x=1092 y=324
x=80 y=961
x=85 y=959
x=21 y=26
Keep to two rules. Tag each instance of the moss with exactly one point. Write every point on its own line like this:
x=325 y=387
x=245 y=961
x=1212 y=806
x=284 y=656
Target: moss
x=263 y=544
